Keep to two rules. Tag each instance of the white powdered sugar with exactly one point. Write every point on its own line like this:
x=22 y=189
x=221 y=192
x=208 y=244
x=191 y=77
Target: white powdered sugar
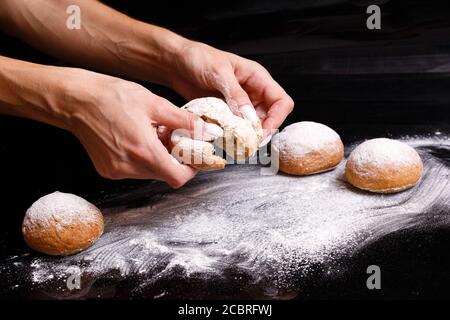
x=63 y=208
x=382 y=152
x=210 y=107
x=303 y=137
x=238 y=132
x=274 y=228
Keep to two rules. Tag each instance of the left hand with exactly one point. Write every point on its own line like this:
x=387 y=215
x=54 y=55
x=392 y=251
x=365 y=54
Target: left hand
x=201 y=70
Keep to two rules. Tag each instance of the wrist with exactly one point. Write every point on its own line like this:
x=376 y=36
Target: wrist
x=172 y=51
x=152 y=54
x=65 y=94
x=77 y=94
x=169 y=45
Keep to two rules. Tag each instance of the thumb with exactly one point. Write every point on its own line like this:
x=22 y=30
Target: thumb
x=236 y=97
x=167 y=114
x=169 y=169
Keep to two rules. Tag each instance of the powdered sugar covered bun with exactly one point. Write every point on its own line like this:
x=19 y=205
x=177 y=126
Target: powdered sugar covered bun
x=307 y=147
x=384 y=165
x=199 y=154
x=239 y=139
x=62 y=224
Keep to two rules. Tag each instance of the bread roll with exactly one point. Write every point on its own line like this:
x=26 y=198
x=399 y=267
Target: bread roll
x=383 y=165
x=62 y=224
x=305 y=148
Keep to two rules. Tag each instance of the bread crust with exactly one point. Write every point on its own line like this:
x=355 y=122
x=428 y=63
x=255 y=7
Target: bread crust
x=57 y=236
x=204 y=160
x=384 y=180
x=383 y=166
x=306 y=148
x=313 y=162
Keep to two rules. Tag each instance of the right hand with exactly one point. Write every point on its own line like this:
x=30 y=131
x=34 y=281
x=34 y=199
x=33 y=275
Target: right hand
x=199 y=70
x=117 y=123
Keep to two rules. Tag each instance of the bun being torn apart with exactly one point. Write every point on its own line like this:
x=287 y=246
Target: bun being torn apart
x=239 y=140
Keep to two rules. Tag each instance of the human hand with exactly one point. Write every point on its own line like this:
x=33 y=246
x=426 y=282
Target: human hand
x=201 y=70
x=142 y=51
x=117 y=122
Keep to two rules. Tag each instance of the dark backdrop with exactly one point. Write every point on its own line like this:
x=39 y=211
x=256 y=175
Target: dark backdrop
x=361 y=82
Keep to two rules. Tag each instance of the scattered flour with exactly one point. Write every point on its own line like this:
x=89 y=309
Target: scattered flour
x=273 y=228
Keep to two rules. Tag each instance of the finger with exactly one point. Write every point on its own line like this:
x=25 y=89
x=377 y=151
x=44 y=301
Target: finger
x=261 y=111
x=278 y=103
x=164 y=135
x=235 y=96
x=168 y=115
x=169 y=169
x=277 y=113
x=230 y=88
x=270 y=94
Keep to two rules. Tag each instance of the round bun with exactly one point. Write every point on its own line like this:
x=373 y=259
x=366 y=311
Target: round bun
x=62 y=224
x=196 y=153
x=305 y=148
x=383 y=165
x=238 y=139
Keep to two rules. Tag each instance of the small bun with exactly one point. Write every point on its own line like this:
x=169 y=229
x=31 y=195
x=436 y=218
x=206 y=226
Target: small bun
x=198 y=154
x=305 y=148
x=62 y=224
x=239 y=138
x=383 y=165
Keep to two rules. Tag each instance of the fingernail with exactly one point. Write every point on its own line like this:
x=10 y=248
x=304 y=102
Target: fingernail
x=249 y=113
x=213 y=130
x=265 y=141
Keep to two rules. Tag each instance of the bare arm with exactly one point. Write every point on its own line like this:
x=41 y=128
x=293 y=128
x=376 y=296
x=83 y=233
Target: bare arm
x=115 y=120
x=107 y=40
x=35 y=91
x=113 y=42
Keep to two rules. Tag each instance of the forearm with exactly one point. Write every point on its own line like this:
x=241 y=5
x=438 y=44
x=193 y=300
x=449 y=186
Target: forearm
x=37 y=92
x=108 y=40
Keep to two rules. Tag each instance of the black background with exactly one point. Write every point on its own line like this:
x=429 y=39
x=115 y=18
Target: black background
x=363 y=83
